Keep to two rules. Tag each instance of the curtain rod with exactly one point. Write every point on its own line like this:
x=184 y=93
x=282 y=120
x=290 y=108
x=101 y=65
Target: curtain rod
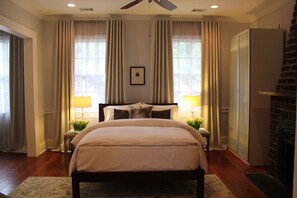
x=126 y=17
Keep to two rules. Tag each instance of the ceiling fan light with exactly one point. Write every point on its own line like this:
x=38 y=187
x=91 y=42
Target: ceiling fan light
x=214 y=6
x=71 y=5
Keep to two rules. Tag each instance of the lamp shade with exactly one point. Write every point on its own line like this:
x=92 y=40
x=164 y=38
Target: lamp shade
x=192 y=101
x=82 y=101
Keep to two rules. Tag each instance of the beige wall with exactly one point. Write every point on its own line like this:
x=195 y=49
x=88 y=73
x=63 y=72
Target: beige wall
x=280 y=18
x=137 y=42
x=48 y=49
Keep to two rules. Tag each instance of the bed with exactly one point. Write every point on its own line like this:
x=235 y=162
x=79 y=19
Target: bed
x=86 y=167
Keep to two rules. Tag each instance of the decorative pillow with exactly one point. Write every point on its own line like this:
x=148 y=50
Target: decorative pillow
x=173 y=110
x=109 y=110
x=161 y=114
x=145 y=112
x=121 y=114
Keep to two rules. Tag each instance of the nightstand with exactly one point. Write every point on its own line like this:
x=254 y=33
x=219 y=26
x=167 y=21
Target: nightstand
x=205 y=134
x=67 y=140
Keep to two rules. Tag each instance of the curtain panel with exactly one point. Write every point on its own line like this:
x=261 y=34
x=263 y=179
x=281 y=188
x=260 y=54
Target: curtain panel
x=210 y=95
x=12 y=96
x=162 y=68
x=17 y=135
x=63 y=79
x=115 y=63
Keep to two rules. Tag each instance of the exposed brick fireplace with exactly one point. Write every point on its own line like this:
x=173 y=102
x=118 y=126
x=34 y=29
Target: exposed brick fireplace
x=282 y=138
x=283 y=113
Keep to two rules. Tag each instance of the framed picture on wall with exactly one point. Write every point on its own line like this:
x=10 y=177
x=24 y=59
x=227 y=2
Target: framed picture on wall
x=137 y=76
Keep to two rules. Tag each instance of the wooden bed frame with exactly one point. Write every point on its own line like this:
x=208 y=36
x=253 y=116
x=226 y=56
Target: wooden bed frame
x=142 y=176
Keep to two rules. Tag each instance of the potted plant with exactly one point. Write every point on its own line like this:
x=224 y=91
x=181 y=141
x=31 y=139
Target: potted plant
x=79 y=124
x=195 y=122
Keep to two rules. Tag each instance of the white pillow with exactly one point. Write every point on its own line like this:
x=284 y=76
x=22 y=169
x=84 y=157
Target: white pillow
x=109 y=110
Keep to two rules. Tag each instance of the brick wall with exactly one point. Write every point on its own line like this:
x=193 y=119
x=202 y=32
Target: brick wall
x=283 y=112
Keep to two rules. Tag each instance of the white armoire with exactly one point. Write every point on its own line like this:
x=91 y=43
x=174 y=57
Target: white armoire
x=255 y=65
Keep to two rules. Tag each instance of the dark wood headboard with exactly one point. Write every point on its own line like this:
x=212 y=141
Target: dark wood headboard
x=102 y=105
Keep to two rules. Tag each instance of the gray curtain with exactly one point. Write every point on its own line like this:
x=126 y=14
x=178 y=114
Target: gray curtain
x=17 y=135
x=162 y=69
x=63 y=79
x=115 y=63
x=210 y=95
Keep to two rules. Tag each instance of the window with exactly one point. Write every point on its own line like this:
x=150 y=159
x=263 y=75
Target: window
x=89 y=65
x=186 y=43
x=4 y=73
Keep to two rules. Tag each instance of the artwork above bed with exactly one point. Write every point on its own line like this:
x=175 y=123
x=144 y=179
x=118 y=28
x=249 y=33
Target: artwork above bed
x=137 y=110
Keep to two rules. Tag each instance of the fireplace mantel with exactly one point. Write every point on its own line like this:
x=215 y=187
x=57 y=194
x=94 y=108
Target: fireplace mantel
x=277 y=93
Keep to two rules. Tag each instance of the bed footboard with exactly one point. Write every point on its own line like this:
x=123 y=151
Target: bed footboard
x=197 y=175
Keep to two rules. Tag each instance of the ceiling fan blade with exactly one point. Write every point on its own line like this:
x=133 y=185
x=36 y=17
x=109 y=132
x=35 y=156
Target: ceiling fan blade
x=133 y=3
x=166 y=4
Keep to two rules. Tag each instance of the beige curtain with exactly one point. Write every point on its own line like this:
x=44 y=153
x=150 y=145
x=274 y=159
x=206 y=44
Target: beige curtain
x=17 y=132
x=115 y=63
x=63 y=79
x=210 y=95
x=162 y=69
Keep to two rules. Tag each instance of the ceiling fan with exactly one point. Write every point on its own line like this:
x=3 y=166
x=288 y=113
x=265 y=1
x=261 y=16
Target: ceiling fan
x=163 y=3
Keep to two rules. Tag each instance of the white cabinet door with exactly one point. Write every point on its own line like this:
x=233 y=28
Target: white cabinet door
x=233 y=96
x=244 y=95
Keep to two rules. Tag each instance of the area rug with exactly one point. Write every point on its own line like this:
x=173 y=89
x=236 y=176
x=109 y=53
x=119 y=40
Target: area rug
x=271 y=187
x=60 y=187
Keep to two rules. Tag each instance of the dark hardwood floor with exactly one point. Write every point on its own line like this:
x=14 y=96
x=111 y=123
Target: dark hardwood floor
x=15 y=168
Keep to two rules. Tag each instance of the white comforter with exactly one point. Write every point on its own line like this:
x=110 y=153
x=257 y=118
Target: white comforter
x=137 y=136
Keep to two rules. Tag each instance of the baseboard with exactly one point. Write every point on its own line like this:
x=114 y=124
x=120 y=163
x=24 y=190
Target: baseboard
x=41 y=148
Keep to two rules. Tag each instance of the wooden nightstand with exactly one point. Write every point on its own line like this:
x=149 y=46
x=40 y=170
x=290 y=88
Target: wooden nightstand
x=67 y=140
x=205 y=134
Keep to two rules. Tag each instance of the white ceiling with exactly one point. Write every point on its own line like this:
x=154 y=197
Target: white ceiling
x=228 y=8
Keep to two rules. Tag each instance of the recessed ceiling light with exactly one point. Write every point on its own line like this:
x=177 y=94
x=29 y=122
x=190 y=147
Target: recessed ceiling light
x=214 y=6
x=71 y=5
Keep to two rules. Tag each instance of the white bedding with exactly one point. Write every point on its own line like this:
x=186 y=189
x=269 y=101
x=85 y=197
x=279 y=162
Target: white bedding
x=138 y=145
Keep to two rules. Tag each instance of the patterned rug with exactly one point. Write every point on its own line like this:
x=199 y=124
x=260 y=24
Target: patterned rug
x=60 y=187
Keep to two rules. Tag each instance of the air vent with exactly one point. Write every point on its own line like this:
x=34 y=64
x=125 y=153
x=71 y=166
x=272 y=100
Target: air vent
x=86 y=9
x=198 y=10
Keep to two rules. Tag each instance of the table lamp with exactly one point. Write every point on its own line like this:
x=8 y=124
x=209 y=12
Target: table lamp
x=192 y=101
x=82 y=102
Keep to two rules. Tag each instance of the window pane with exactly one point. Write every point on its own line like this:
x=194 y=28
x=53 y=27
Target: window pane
x=4 y=73
x=187 y=66
x=187 y=69
x=89 y=73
